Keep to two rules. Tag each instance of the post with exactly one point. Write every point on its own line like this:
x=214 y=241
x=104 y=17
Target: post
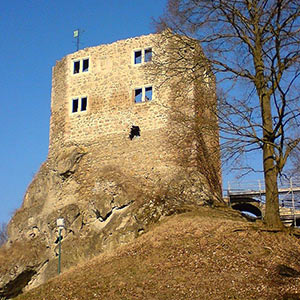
x=60 y=223
x=59 y=250
x=76 y=34
x=228 y=193
x=260 y=191
x=293 y=202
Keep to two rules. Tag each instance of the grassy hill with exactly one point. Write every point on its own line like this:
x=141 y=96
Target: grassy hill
x=208 y=254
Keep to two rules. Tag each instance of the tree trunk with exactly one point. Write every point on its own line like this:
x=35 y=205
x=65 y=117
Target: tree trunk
x=272 y=218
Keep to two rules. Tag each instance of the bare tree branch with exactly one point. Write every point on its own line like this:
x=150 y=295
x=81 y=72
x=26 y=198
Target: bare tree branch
x=253 y=49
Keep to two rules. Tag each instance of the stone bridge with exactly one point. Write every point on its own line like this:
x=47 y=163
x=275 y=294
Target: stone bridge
x=249 y=197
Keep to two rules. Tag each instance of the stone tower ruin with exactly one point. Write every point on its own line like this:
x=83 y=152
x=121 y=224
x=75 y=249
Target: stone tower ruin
x=103 y=100
x=123 y=148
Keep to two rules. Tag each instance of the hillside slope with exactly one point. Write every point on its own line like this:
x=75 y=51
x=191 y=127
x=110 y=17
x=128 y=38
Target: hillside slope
x=208 y=254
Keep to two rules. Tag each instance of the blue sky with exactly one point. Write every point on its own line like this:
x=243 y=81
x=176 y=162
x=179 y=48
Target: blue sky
x=33 y=35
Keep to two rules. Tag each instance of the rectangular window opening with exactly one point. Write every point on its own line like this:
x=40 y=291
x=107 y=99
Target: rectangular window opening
x=138 y=95
x=148 y=93
x=83 y=104
x=148 y=54
x=137 y=57
x=76 y=67
x=85 y=65
x=75 y=105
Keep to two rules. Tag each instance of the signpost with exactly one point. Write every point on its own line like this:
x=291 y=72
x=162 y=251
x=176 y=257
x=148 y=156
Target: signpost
x=60 y=223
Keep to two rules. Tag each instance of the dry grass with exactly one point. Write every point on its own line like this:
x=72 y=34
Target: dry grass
x=201 y=255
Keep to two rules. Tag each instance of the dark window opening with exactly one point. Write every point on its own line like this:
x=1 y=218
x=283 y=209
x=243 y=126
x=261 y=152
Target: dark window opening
x=138 y=95
x=85 y=65
x=148 y=93
x=134 y=132
x=148 y=54
x=138 y=57
x=75 y=105
x=76 y=67
x=83 y=104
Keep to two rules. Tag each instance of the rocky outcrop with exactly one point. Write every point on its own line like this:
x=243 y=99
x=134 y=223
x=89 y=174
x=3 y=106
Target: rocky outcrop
x=68 y=160
x=21 y=262
x=19 y=279
x=101 y=209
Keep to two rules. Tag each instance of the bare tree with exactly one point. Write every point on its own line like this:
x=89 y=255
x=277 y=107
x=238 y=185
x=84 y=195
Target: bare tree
x=253 y=49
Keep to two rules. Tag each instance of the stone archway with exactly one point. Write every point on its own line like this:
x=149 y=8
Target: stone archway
x=247 y=207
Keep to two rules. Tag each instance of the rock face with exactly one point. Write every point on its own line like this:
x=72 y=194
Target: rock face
x=117 y=212
x=106 y=182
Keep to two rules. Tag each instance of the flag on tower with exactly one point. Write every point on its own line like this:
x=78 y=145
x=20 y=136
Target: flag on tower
x=76 y=33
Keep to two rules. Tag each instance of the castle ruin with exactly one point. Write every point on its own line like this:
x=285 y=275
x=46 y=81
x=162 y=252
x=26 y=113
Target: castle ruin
x=121 y=147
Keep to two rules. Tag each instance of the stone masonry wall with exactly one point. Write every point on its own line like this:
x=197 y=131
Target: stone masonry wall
x=109 y=86
x=111 y=111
